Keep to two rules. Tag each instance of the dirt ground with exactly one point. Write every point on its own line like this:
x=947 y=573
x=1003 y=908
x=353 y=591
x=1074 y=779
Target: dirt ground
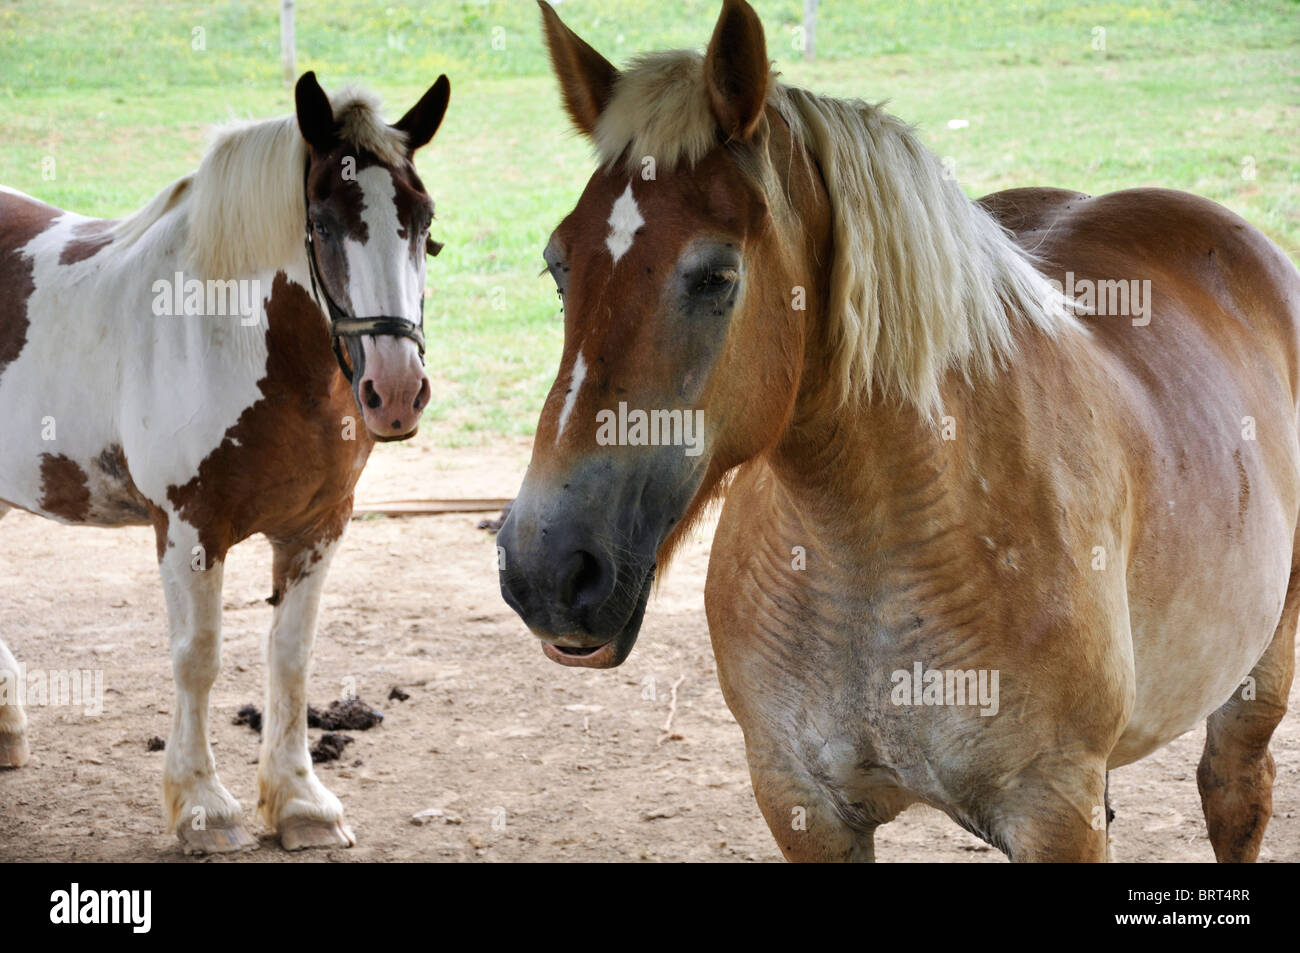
x=527 y=761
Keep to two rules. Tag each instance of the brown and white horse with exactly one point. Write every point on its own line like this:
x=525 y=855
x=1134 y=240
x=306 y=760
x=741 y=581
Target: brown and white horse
x=177 y=368
x=978 y=546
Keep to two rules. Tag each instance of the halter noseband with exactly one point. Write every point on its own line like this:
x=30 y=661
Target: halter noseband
x=344 y=325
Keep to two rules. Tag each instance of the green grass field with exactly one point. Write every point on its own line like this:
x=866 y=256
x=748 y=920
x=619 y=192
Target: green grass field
x=1202 y=96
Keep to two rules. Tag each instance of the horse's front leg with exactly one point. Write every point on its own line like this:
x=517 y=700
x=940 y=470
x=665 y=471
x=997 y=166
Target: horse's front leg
x=200 y=811
x=290 y=796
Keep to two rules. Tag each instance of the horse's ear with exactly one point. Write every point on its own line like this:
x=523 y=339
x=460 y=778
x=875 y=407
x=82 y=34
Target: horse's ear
x=315 y=114
x=737 y=69
x=586 y=77
x=425 y=116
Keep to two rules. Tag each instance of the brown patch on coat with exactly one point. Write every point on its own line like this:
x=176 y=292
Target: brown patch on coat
x=65 y=492
x=293 y=559
x=88 y=239
x=284 y=469
x=23 y=219
x=337 y=201
x=160 y=520
x=100 y=493
x=115 y=500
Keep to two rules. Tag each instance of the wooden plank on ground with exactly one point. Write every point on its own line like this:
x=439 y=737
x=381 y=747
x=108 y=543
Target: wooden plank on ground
x=427 y=507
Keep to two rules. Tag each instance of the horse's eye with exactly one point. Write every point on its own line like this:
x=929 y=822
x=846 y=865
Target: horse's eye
x=321 y=230
x=719 y=279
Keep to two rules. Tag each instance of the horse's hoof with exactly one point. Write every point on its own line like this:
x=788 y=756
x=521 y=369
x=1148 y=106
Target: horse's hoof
x=217 y=840
x=300 y=833
x=14 y=752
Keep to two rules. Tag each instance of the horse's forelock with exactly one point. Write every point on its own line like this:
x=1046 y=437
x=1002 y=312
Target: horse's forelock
x=659 y=109
x=356 y=111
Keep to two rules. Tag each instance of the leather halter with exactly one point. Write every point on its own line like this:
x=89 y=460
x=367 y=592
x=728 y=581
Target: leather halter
x=342 y=324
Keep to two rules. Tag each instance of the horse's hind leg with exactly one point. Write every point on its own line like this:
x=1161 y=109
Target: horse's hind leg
x=1236 y=772
x=290 y=796
x=13 y=723
x=200 y=811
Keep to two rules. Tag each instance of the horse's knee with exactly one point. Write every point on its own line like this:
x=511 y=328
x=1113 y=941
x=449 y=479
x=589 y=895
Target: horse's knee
x=1057 y=816
x=805 y=822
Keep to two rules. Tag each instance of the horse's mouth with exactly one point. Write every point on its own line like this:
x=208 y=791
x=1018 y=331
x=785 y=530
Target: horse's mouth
x=602 y=656
x=611 y=653
x=396 y=439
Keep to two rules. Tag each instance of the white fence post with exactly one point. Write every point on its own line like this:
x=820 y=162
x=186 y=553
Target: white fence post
x=810 y=29
x=288 y=57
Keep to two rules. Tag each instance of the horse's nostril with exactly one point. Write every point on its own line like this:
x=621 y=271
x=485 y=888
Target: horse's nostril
x=581 y=576
x=423 y=396
x=371 y=396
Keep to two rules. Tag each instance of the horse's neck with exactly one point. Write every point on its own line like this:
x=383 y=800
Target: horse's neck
x=218 y=337
x=862 y=466
x=884 y=491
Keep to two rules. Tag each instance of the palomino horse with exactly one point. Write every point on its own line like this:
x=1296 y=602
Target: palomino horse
x=945 y=482
x=176 y=368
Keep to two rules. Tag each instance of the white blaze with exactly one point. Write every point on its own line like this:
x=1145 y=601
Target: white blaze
x=382 y=278
x=623 y=223
x=575 y=385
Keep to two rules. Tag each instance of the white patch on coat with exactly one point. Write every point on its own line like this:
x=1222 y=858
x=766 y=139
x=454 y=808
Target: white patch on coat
x=624 y=221
x=575 y=384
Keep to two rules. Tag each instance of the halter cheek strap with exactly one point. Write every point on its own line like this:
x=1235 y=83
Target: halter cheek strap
x=344 y=325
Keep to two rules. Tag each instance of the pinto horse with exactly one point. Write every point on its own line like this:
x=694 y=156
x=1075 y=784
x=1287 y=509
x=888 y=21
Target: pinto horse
x=200 y=366
x=941 y=463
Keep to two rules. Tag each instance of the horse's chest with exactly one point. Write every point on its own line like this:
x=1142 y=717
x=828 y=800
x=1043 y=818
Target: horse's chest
x=287 y=459
x=817 y=684
x=289 y=464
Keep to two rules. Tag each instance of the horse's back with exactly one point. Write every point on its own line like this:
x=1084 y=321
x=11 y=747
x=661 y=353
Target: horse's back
x=1209 y=323
x=1217 y=269
x=1203 y=388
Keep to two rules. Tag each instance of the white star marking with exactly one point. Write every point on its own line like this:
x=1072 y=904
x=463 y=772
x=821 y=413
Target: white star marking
x=623 y=222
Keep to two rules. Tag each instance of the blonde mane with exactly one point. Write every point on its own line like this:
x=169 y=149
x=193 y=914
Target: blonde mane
x=244 y=204
x=923 y=279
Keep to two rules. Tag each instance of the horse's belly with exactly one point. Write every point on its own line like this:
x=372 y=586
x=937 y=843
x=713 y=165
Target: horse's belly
x=93 y=489
x=1194 y=645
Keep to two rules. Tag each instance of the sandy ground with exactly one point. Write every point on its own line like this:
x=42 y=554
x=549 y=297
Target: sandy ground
x=527 y=760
